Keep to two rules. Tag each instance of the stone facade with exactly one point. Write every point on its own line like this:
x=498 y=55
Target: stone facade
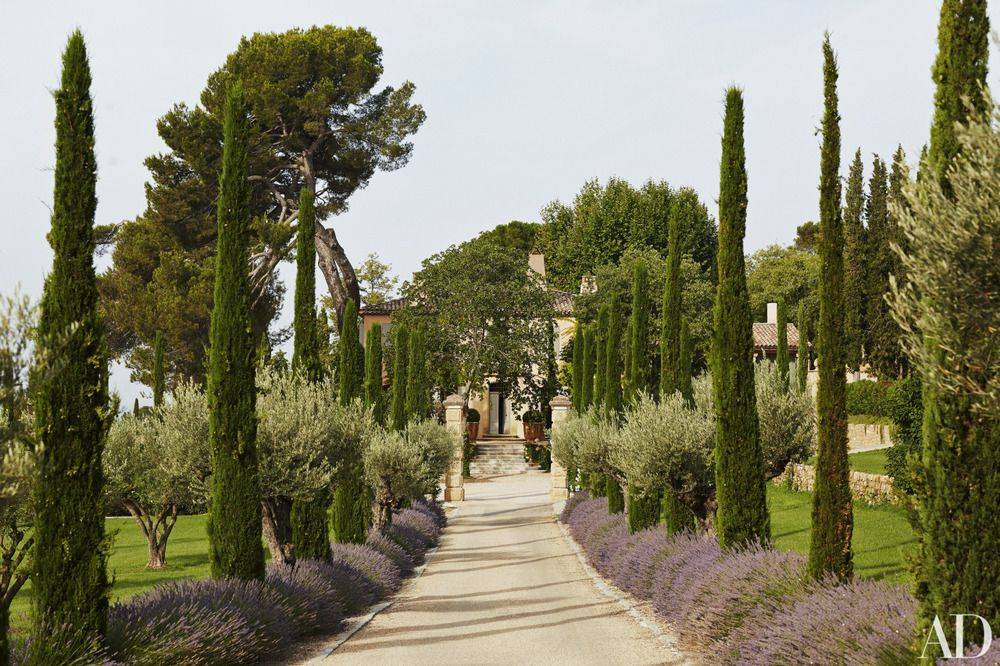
x=869 y=488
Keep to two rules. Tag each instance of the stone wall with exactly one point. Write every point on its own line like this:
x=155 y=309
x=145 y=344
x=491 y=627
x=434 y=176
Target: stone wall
x=867 y=436
x=869 y=488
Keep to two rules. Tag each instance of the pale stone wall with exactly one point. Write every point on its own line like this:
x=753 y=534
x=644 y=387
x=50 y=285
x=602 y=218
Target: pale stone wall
x=869 y=488
x=867 y=436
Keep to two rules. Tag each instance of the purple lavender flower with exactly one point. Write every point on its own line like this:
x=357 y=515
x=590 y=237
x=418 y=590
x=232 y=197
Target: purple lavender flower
x=690 y=555
x=378 y=568
x=392 y=550
x=421 y=522
x=633 y=568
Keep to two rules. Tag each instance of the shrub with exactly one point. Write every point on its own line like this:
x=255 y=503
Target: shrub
x=396 y=554
x=727 y=591
x=313 y=602
x=907 y=413
x=422 y=523
x=472 y=415
x=435 y=445
x=634 y=566
x=787 y=421
x=691 y=554
x=868 y=397
x=533 y=416
x=410 y=540
x=376 y=567
x=354 y=588
x=584 y=443
x=574 y=501
x=393 y=469
x=214 y=621
x=863 y=622
x=64 y=645
x=432 y=509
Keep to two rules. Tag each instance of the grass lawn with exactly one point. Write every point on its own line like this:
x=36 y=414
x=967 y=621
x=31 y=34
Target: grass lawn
x=882 y=534
x=870 y=462
x=187 y=557
x=868 y=419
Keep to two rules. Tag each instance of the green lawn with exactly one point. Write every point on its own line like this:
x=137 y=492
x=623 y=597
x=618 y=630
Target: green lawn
x=187 y=557
x=868 y=419
x=870 y=462
x=882 y=534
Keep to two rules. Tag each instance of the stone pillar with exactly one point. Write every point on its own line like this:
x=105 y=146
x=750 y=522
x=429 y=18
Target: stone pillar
x=560 y=412
x=454 y=418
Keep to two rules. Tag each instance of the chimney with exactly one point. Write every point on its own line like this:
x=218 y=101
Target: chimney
x=536 y=262
x=772 y=313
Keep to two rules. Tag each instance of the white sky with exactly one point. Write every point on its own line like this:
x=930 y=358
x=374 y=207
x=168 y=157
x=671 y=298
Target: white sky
x=524 y=100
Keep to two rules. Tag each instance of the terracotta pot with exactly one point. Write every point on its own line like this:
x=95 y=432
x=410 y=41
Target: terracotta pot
x=472 y=430
x=534 y=432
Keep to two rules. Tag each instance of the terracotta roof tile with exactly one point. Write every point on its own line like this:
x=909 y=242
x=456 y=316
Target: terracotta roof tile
x=766 y=335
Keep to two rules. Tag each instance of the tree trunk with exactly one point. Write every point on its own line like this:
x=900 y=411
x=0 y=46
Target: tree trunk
x=277 y=525
x=340 y=277
x=157 y=554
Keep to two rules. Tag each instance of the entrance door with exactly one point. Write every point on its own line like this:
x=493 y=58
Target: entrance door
x=498 y=407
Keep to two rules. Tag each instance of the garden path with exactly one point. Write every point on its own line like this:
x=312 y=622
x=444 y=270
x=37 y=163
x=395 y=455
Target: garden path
x=503 y=588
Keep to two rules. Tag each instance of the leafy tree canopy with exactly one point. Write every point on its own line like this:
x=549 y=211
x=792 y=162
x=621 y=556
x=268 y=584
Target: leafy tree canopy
x=807 y=236
x=376 y=281
x=516 y=235
x=775 y=273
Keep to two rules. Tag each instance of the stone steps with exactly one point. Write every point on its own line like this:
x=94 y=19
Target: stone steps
x=498 y=456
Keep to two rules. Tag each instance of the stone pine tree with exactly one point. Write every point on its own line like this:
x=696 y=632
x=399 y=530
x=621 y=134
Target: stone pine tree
x=959 y=75
x=781 y=358
x=613 y=361
x=159 y=381
x=637 y=371
x=600 y=354
x=670 y=331
x=418 y=389
x=578 y=369
x=589 y=365
x=832 y=512
x=742 y=514
x=685 y=384
x=373 y=373
x=305 y=353
x=234 y=516
x=69 y=581
x=350 y=367
x=856 y=262
x=310 y=537
x=802 y=355
x=883 y=341
x=400 y=347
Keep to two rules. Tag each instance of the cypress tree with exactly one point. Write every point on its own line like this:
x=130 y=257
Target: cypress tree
x=578 y=368
x=135 y=407
x=676 y=516
x=69 y=581
x=883 y=344
x=158 y=378
x=781 y=360
x=600 y=354
x=832 y=512
x=856 y=261
x=234 y=517
x=616 y=500
x=418 y=390
x=373 y=373
x=686 y=359
x=739 y=480
x=305 y=354
x=642 y=508
x=589 y=365
x=637 y=371
x=397 y=410
x=802 y=355
x=351 y=512
x=959 y=74
x=670 y=332
x=613 y=362
x=351 y=366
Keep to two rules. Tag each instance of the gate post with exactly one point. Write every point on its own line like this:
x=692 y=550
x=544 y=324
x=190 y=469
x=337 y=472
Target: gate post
x=560 y=412
x=454 y=419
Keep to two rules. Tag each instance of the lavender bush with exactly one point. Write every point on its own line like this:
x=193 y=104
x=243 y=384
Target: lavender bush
x=313 y=600
x=422 y=523
x=634 y=568
x=386 y=546
x=432 y=509
x=409 y=539
x=691 y=554
x=575 y=500
x=62 y=644
x=863 y=622
x=378 y=568
x=354 y=589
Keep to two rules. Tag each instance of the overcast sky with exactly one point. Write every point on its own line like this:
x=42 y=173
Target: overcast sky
x=524 y=100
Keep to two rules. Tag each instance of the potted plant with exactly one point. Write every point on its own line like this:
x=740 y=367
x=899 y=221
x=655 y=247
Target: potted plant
x=534 y=425
x=472 y=424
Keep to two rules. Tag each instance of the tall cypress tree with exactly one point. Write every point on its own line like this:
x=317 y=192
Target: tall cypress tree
x=856 y=262
x=883 y=341
x=959 y=74
x=69 y=581
x=613 y=491
x=670 y=332
x=600 y=355
x=234 y=518
x=642 y=508
x=739 y=480
x=352 y=363
x=613 y=361
x=418 y=390
x=578 y=368
x=397 y=409
x=373 y=373
x=832 y=512
x=781 y=360
x=305 y=353
x=637 y=371
x=158 y=376
x=684 y=376
x=589 y=366
x=802 y=355
x=889 y=332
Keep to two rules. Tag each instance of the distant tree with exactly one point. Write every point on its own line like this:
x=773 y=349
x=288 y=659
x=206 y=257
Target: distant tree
x=670 y=331
x=782 y=273
x=589 y=366
x=637 y=370
x=400 y=349
x=612 y=402
x=781 y=361
x=802 y=355
x=234 y=517
x=376 y=282
x=514 y=235
x=418 y=388
x=305 y=355
x=686 y=373
x=69 y=583
x=374 y=397
x=832 y=513
x=856 y=263
x=601 y=354
x=158 y=370
x=742 y=515
x=883 y=347
x=351 y=368
x=891 y=359
x=807 y=236
x=578 y=367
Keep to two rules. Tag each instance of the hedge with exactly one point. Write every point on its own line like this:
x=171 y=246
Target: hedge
x=901 y=402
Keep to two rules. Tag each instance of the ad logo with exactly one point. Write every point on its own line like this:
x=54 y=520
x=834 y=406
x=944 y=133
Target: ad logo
x=936 y=636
